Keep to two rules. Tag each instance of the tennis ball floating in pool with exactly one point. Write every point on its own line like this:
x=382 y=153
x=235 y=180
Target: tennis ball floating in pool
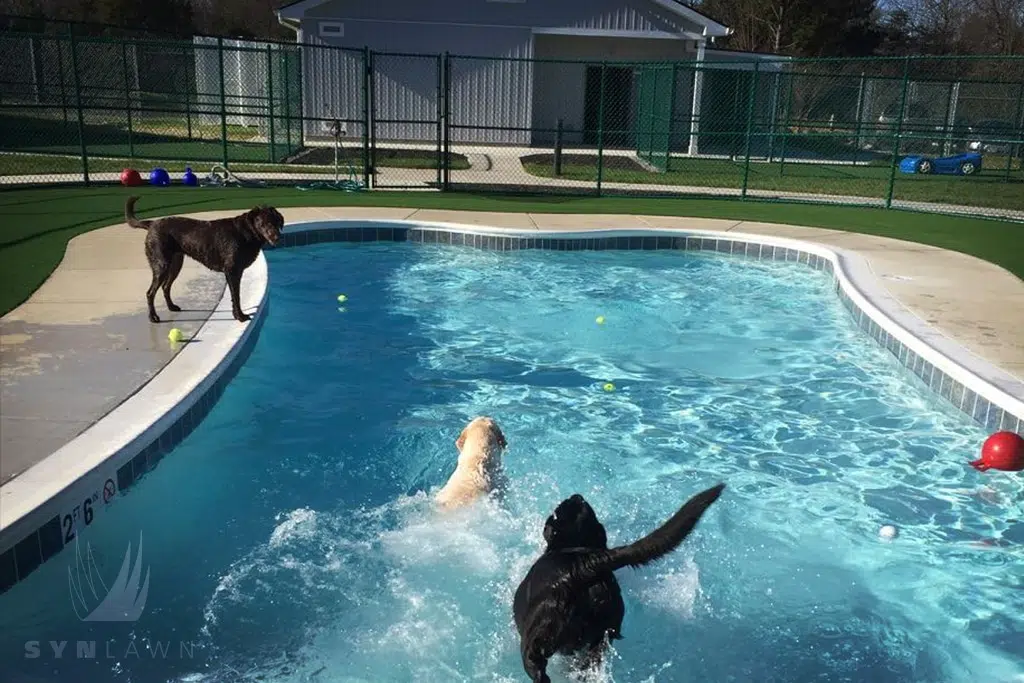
x=608 y=386
x=175 y=335
x=888 y=532
x=600 y=320
x=342 y=298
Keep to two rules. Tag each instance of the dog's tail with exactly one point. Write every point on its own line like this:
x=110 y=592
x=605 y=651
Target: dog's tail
x=654 y=545
x=129 y=215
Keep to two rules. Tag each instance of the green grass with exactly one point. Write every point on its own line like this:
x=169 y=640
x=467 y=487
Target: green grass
x=47 y=144
x=36 y=224
x=990 y=188
x=37 y=164
x=109 y=138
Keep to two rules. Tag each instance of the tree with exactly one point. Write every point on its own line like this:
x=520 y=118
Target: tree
x=839 y=28
x=995 y=26
x=163 y=16
x=896 y=39
x=818 y=28
x=936 y=26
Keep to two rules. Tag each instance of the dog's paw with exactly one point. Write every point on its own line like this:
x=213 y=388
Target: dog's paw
x=154 y=318
x=174 y=308
x=242 y=317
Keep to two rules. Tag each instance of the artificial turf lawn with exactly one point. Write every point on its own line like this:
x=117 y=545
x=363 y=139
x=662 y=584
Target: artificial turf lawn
x=993 y=187
x=349 y=162
x=36 y=224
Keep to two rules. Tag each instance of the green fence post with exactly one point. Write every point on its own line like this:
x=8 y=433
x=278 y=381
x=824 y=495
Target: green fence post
x=893 y=162
x=1018 y=123
x=300 y=98
x=600 y=132
x=785 y=123
x=447 y=120
x=270 y=100
x=367 y=109
x=286 y=63
x=223 y=103
x=860 y=113
x=127 y=97
x=653 y=114
x=774 y=108
x=442 y=158
x=671 y=120
x=189 y=82
x=947 y=125
x=78 y=105
x=734 y=117
x=750 y=124
x=60 y=78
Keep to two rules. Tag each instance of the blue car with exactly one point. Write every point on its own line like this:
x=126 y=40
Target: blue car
x=958 y=164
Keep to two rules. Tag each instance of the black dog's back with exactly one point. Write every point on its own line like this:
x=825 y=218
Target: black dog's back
x=580 y=617
x=570 y=600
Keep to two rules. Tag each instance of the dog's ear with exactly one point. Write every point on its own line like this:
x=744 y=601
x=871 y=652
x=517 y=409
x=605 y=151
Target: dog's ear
x=461 y=441
x=549 y=530
x=502 y=441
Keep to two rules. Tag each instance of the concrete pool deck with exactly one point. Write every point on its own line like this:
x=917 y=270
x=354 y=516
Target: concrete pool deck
x=82 y=343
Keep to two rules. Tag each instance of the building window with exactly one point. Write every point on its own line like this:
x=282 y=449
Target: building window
x=332 y=29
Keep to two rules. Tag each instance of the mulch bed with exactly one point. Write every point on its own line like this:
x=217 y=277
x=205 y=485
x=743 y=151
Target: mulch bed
x=609 y=161
x=324 y=156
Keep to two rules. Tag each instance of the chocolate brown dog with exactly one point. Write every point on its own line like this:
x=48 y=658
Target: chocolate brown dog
x=570 y=600
x=224 y=245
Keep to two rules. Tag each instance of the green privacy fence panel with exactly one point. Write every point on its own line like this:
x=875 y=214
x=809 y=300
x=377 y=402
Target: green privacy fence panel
x=655 y=101
x=154 y=101
x=284 y=83
x=78 y=109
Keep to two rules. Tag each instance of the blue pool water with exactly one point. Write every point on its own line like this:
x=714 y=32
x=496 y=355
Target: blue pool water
x=291 y=539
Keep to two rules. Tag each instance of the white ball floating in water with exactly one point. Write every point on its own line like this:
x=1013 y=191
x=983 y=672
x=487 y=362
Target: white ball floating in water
x=888 y=532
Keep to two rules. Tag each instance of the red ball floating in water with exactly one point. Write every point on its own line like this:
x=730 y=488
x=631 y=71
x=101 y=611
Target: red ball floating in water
x=1002 y=451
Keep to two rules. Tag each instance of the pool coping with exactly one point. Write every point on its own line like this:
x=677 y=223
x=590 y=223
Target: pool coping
x=81 y=479
x=53 y=499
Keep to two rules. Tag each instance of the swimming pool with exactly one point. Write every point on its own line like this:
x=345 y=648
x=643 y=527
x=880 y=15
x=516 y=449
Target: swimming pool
x=288 y=538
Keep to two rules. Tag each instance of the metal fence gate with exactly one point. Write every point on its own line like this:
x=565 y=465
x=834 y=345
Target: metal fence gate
x=405 y=111
x=655 y=98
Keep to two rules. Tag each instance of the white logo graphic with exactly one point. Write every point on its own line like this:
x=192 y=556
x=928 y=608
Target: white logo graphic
x=124 y=601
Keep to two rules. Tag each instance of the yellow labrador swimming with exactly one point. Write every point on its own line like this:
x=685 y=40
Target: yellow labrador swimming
x=479 y=469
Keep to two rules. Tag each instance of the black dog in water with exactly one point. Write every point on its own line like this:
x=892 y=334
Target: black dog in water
x=570 y=601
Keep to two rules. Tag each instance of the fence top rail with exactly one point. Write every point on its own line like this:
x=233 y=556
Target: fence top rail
x=899 y=78
x=424 y=55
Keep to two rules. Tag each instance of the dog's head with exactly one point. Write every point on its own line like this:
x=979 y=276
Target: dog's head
x=574 y=524
x=267 y=222
x=485 y=432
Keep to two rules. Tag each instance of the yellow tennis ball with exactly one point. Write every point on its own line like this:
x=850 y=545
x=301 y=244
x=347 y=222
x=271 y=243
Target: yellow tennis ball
x=609 y=386
x=600 y=320
x=342 y=298
x=175 y=335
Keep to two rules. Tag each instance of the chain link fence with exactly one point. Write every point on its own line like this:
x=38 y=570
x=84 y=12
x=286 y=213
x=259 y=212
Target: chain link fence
x=928 y=133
